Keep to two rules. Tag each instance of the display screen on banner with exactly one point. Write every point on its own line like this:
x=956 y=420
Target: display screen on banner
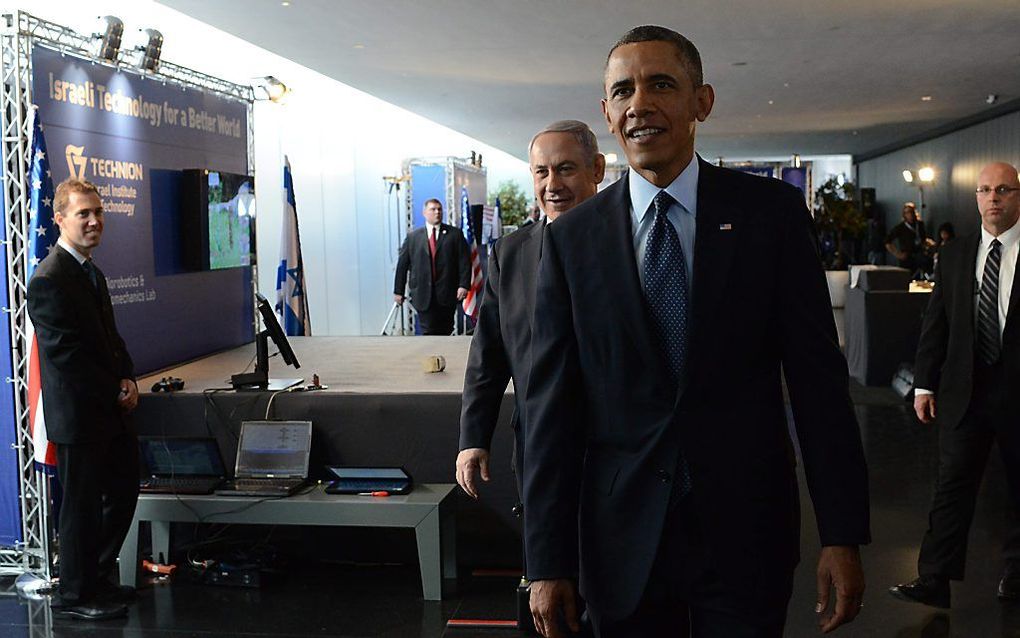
x=134 y=137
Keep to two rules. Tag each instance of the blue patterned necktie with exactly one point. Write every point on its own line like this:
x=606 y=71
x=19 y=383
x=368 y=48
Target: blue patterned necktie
x=666 y=291
x=988 y=334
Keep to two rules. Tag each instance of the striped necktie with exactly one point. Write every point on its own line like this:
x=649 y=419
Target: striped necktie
x=988 y=335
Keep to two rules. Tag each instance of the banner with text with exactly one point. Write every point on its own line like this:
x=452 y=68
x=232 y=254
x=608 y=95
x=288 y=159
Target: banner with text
x=114 y=128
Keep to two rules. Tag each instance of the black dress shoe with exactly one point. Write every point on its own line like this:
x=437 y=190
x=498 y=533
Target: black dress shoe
x=1009 y=586
x=94 y=610
x=107 y=592
x=927 y=590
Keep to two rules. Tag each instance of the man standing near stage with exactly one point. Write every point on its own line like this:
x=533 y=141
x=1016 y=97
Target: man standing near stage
x=906 y=240
x=88 y=390
x=968 y=365
x=567 y=168
x=659 y=470
x=439 y=262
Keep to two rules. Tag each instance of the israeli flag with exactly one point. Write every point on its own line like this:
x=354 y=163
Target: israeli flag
x=291 y=301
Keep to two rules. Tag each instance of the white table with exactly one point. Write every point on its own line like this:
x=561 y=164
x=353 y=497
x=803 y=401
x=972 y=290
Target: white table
x=428 y=510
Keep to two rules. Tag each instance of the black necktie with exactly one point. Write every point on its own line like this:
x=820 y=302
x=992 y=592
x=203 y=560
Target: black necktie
x=988 y=335
x=90 y=270
x=665 y=268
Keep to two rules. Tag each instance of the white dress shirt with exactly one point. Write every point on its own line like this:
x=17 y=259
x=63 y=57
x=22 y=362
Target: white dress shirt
x=69 y=248
x=682 y=213
x=1010 y=241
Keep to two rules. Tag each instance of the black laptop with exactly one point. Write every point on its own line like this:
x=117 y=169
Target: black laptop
x=272 y=459
x=180 y=465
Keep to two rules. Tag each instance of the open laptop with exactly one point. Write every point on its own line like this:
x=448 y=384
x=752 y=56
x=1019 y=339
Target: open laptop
x=272 y=459
x=180 y=465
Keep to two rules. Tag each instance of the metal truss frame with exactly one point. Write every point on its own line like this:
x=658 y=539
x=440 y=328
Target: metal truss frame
x=19 y=33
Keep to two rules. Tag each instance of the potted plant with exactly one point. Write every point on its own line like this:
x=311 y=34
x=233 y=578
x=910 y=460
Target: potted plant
x=838 y=221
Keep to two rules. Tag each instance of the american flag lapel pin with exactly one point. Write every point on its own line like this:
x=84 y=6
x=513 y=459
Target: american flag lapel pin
x=725 y=226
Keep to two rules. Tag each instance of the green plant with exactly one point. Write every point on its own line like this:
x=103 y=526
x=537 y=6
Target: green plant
x=838 y=218
x=513 y=203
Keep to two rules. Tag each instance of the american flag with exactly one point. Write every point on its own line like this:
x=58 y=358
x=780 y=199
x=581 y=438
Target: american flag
x=42 y=237
x=472 y=301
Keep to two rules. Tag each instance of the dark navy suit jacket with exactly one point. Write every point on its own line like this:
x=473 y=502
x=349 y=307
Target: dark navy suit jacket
x=605 y=424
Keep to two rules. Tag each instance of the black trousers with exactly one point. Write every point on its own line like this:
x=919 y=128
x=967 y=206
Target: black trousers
x=683 y=598
x=963 y=454
x=100 y=482
x=437 y=320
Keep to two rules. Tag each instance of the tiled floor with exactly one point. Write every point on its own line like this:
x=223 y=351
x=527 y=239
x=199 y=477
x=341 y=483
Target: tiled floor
x=384 y=601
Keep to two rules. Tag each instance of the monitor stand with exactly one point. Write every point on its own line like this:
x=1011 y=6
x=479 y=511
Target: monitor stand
x=259 y=379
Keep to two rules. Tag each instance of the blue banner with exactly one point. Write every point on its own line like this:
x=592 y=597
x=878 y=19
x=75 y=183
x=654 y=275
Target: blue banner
x=114 y=128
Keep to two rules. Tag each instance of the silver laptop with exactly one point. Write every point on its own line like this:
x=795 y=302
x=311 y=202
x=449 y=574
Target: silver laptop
x=272 y=459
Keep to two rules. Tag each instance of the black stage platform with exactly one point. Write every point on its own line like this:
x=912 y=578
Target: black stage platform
x=380 y=409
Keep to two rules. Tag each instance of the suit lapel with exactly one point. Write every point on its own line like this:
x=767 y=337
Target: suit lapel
x=621 y=272
x=967 y=282
x=70 y=264
x=719 y=225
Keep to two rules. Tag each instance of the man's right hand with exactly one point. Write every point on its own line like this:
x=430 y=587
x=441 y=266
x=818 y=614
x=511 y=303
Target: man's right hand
x=399 y=299
x=548 y=598
x=924 y=406
x=468 y=461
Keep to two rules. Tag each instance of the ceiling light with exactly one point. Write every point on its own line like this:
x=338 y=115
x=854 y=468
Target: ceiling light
x=611 y=158
x=926 y=174
x=359 y=46
x=991 y=99
x=111 y=30
x=284 y=3
x=151 y=51
x=908 y=176
x=796 y=161
x=273 y=89
x=771 y=102
x=926 y=98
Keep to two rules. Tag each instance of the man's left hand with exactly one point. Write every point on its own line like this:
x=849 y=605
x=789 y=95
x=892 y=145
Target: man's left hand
x=839 y=568
x=461 y=293
x=128 y=398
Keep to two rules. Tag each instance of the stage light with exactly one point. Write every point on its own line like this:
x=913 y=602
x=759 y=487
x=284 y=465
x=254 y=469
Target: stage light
x=926 y=174
x=151 y=51
x=908 y=176
x=273 y=89
x=111 y=30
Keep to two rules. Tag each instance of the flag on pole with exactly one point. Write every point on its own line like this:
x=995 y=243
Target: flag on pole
x=472 y=301
x=497 y=224
x=291 y=301
x=42 y=237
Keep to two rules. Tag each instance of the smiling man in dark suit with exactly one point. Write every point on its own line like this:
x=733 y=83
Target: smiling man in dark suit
x=968 y=363
x=659 y=465
x=567 y=168
x=88 y=389
x=439 y=262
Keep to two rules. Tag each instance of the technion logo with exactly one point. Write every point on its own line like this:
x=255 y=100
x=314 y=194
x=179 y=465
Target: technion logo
x=99 y=167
